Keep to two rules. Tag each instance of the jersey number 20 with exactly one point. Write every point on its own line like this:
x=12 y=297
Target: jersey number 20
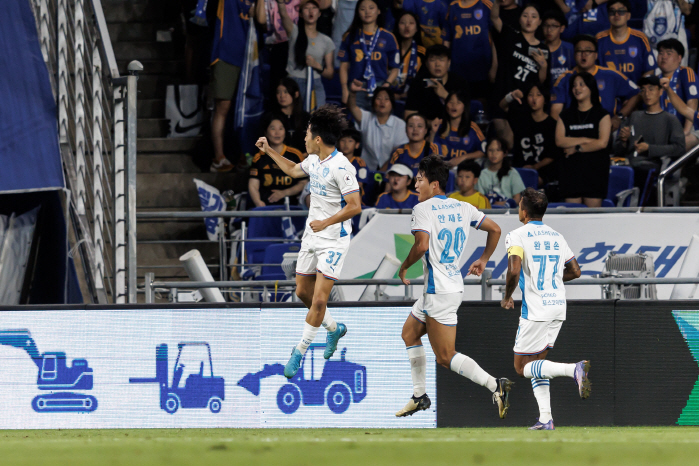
x=542 y=270
x=458 y=238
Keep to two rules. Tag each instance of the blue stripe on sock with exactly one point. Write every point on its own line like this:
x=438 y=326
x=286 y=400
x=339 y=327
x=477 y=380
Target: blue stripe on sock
x=416 y=346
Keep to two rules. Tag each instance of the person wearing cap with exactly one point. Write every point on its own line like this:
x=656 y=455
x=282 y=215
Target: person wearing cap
x=400 y=197
x=650 y=138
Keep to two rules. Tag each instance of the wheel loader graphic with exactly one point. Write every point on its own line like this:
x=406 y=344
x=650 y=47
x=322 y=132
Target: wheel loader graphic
x=318 y=381
x=199 y=389
x=55 y=376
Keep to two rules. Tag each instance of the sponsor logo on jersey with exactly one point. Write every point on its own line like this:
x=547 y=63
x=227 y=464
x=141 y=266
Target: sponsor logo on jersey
x=600 y=84
x=326 y=170
x=478 y=13
x=466 y=140
x=633 y=51
x=660 y=26
x=562 y=59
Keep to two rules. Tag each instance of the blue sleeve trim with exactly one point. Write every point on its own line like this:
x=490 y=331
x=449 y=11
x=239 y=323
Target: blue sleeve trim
x=570 y=259
x=480 y=223
x=301 y=165
x=350 y=192
x=419 y=229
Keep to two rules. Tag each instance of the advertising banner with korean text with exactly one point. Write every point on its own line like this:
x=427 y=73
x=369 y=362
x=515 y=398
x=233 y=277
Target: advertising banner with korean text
x=590 y=236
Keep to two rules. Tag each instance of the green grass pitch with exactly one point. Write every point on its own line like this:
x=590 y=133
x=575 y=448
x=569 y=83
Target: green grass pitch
x=357 y=447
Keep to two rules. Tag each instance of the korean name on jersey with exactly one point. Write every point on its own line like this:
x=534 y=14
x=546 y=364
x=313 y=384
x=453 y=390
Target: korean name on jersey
x=545 y=253
x=446 y=220
x=331 y=180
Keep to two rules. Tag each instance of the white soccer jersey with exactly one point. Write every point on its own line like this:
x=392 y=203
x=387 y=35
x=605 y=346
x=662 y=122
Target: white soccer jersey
x=545 y=253
x=331 y=180
x=447 y=222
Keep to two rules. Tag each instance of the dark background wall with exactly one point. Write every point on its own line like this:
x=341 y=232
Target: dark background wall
x=642 y=371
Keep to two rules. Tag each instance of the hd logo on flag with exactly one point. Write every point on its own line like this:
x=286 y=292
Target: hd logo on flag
x=688 y=322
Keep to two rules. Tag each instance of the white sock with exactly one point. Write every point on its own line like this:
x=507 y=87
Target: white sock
x=463 y=365
x=329 y=323
x=543 y=398
x=543 y=369
x=309 y=333
x=418 y=366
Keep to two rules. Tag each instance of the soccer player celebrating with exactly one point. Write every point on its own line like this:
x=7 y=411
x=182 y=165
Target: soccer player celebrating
x=335 y=200
x=440 y=226
x=540 y=260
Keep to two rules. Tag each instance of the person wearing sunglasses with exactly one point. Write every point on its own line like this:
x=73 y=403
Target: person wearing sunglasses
x=622 y=48
x=612 y=85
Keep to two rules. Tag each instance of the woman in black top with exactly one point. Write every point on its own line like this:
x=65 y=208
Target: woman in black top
x=534 y=131
x=583 y=132
x=288 y=105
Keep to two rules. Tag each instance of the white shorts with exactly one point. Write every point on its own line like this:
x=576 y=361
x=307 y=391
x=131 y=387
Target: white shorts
x=322 y=255
x=440 y=307
x=536 y=337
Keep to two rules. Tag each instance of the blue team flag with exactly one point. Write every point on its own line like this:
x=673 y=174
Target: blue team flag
x=249 y=105
x=288 y=227
x=199 y=13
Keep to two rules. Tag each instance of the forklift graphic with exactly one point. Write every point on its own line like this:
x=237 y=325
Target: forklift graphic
x=201 y=389
x=336 y=382
x=55 y=375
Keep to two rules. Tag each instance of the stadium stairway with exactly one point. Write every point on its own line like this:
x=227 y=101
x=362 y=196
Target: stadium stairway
x=165 y=165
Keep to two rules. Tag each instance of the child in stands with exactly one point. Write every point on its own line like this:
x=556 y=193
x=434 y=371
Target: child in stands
x=466 y=180
x=500 y=183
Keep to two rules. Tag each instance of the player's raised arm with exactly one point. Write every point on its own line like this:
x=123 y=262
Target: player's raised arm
x=292 y=169
x=491 y=243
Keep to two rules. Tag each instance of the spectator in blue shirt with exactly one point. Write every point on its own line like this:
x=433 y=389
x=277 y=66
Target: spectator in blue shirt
x=400 y=197
x=562 y=53
x=368 y=53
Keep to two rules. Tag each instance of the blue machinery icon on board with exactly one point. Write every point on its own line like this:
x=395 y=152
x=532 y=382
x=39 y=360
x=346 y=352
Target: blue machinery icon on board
x=201 y=388
x=55 y=375
x=336 y=382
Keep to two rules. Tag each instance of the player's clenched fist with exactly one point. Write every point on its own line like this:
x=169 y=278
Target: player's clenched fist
x=262 y=144
x=507 y=303
x=317 y=225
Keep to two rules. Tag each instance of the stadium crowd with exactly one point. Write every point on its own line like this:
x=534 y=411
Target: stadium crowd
x=563 y=88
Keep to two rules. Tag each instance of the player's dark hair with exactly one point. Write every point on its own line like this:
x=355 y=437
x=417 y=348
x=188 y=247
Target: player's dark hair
x=585 y=38
x=435 y=169
x=672 y=44
x=465 y=123
x=419 y=115
x=437 y=50
x=534 y=202
x=625 y=3
x=302 y=40
x=505 y=148
x=556 y=15
x=353 y=134
x=591 y=84
x=396 y=30
x=357 y=25
x=328 y=122
x=469 y=166
x=389 y=92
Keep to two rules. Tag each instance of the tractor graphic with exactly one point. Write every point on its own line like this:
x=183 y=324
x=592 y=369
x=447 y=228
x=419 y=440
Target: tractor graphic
x=318 y=381
x=55 y=375
x=200 y=389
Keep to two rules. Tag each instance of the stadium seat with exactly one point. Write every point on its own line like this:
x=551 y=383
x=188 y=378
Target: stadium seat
x=563 y=205
x=274 y=254
x=267 y=228
x=621 y=191
x=607 y=203
x=651 y=181
x=529 y=176
x=333 y=89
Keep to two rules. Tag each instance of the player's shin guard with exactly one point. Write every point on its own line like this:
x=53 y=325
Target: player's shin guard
x=418 y=366
x=463 y=365
x=309 y=333
x=543 y=369
x=543 y=399
x=329 y=323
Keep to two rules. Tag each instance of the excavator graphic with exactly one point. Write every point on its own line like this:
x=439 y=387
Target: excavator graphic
x=337 y=383
x=55 y=375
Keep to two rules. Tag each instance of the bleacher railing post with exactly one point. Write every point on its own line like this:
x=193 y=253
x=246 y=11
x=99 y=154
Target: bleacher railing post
x=131 y=119
x=486 y=288
x=119 y=198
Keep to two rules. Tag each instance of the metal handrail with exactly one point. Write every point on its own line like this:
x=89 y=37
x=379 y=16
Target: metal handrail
x=672 y=168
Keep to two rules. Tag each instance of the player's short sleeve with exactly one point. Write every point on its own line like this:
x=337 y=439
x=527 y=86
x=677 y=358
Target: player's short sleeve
x=420 y=220
x=514 y=245
x=306 y=165
x=568 y=254
x=346 y=179
x=475 y=216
